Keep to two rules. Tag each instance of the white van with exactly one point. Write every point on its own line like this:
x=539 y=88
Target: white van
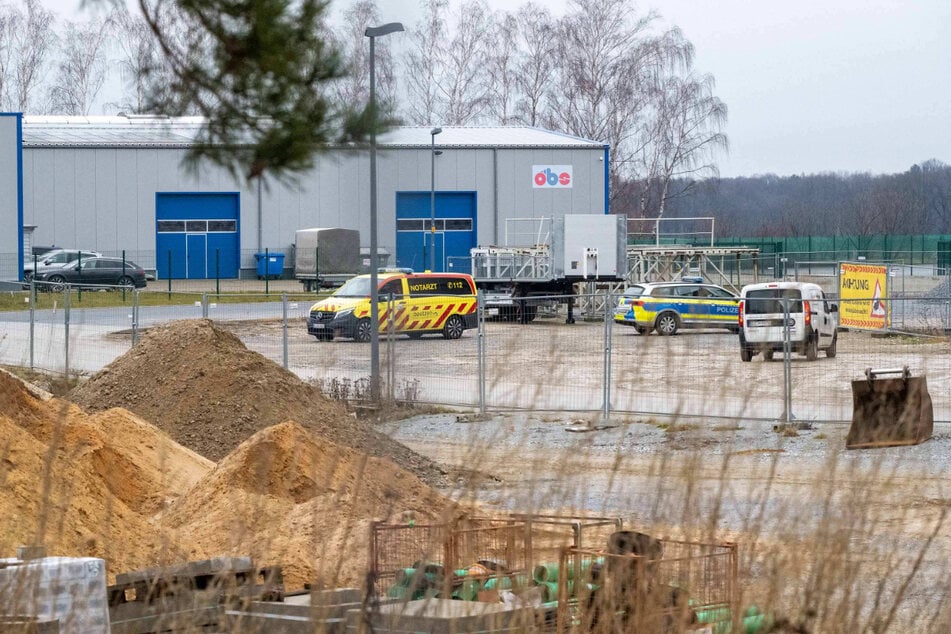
x=813 y=320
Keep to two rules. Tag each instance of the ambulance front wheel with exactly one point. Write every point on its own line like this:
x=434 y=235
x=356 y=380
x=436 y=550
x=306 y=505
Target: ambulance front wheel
x=453 y=328
x=362 y=332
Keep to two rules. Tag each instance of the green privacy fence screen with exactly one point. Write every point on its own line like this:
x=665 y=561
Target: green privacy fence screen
x=906 y=249
x=910 y=250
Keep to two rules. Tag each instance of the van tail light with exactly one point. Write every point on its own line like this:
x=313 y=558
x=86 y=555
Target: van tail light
x=638 y=302
x=740 y=314
x=807 y=312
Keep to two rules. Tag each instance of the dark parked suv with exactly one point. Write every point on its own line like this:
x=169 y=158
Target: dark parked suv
x=98 y=271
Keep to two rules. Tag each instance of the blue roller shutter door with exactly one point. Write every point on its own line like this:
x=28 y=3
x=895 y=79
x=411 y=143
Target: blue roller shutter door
x=197 y=235
x=455 y=230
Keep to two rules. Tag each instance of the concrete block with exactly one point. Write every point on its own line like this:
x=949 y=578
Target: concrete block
x=31 y=552
x=28 y=625
x=255 y=623
x=69 y=589
x=443 y=616
x=205 y=567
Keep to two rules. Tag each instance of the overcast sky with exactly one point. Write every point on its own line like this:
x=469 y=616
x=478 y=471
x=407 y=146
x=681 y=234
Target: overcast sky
x=811 y=86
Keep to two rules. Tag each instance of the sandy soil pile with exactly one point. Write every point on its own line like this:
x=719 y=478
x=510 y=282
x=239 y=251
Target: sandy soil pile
x=87 y=485
x=202 y=386
x=112 y=485
x=287 y=496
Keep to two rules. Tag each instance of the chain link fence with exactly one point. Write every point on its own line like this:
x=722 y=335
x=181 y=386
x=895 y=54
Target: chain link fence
x=599 y=370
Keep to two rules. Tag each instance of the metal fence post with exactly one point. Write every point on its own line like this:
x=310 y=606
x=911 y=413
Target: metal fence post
x=480 y=348
x=204 y=305
x=32 y=319
x=66 y=299
x=606 y=395
x=135 y=317
x=284 y=322
x=169 y=272
x=267 y=271
x=787 y=365
x=390 y=356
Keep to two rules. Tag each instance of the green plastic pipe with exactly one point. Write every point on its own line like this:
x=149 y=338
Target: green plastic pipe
x=498 y=583
x=549 y=571
x=507 y=582
x=469 y=590
x=714 y=615
x=404 y=575
x=552 y=592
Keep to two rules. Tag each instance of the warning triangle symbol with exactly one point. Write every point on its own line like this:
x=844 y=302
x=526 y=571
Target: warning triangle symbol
x=878 y=306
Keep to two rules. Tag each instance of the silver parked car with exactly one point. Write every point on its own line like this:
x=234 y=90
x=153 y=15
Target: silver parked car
x=56 y=258
x=99 y=271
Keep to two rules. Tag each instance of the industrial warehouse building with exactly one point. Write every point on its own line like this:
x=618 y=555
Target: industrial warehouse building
x=117 y=184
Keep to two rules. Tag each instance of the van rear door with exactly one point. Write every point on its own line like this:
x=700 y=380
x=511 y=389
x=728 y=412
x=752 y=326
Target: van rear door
x=766 y=310
x=824 y=319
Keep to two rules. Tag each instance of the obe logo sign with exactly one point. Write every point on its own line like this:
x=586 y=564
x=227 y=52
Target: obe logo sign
x=546 y=176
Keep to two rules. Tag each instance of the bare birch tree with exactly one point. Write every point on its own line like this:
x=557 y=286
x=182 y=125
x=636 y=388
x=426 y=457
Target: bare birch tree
x=82 y=67
x=354 y=86
x=680 y=140
x=446 y=65
x=26 y=41
x=423 y=63
x=611 y=68
x=10 y=19
x=140 y=65
x=463 y=84
x=502 y=69
x=34 y=41
x=536 y=63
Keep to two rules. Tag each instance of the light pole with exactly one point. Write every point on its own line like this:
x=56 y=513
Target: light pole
x=432 y=198
x=374 y=32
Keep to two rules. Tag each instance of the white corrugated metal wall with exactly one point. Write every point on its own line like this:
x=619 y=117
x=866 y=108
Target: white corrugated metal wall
x=103 y=198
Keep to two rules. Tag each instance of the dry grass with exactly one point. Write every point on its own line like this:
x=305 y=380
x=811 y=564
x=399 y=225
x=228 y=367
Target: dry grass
x=835 y=542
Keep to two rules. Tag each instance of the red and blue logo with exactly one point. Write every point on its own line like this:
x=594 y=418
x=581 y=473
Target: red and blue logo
x=551 y=176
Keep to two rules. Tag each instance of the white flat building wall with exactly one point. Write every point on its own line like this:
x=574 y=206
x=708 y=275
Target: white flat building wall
x=10 y=255
x=104 y=198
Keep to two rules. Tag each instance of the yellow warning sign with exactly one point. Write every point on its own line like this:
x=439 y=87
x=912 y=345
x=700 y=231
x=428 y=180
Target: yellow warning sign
x=863 y=292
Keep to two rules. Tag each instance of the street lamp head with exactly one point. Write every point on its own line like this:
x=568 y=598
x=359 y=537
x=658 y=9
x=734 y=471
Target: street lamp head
x=435 y=131
x=386 y=29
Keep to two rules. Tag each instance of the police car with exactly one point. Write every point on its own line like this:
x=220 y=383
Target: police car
x=669 y=306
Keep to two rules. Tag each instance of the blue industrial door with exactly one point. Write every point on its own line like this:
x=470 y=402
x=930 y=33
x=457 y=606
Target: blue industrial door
x=455 y=235
x=197 y=235
x=196 y=255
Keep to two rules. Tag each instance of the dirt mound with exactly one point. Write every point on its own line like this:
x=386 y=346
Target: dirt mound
x=111 y=485
x=202 y=386
x=290 y=498
x=83 y=485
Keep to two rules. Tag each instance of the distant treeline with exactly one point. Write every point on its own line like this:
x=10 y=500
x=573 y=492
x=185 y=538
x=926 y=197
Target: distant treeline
x=914 y=202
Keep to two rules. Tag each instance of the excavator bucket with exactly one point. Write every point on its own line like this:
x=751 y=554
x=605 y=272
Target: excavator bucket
x=890 y=412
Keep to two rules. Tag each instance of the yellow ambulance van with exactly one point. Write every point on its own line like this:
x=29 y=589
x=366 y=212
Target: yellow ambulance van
x=413 y=304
